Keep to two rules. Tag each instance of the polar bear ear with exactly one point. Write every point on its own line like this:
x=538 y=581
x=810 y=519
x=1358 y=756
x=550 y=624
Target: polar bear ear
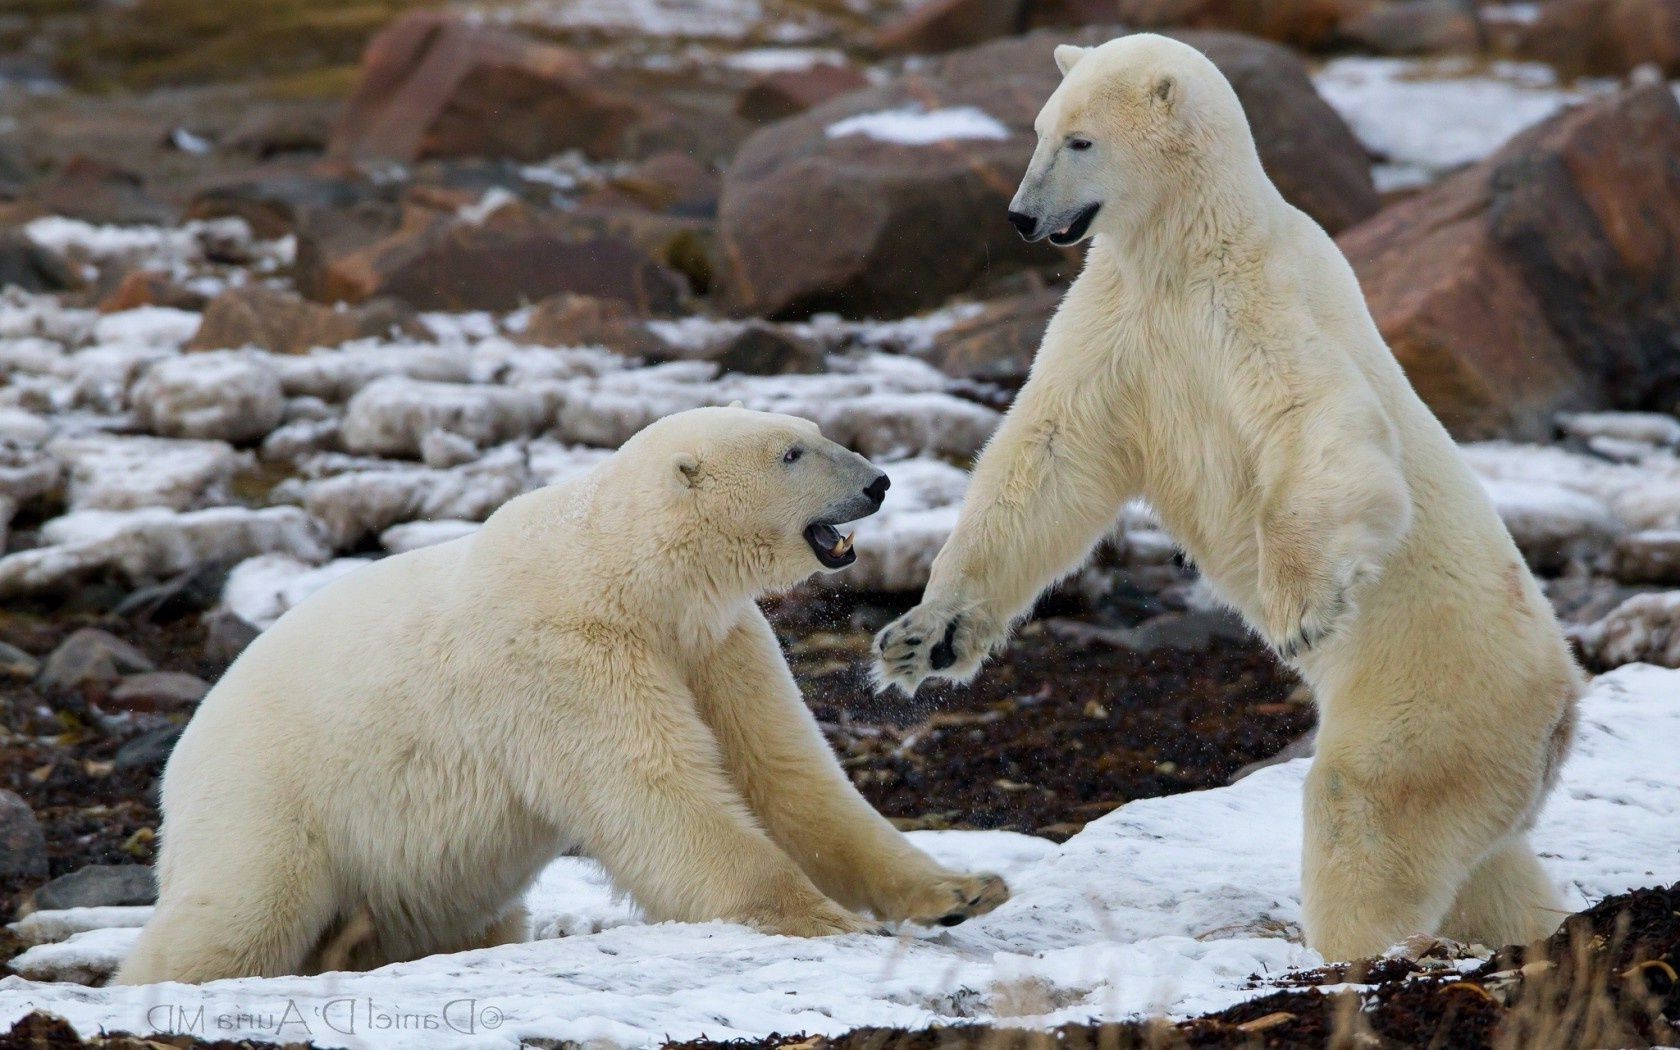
x=685 y=470
x=1068 y=56
x=1165 y=91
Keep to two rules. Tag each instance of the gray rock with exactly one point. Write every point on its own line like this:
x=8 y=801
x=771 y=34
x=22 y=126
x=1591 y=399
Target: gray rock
x=226 y=634
x=17 y=665
x=99 y=886
x=148 y=750
x=23 y=847
x=159 y=691
x=90 y=656
x=765 y=350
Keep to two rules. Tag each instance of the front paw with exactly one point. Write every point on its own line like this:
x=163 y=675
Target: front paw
x=823 y=919
x=933 y=639
x=1302 y=616
x=950 y=900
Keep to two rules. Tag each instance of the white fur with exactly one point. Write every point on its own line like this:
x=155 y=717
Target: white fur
x=1216 y=357
x=382 y=773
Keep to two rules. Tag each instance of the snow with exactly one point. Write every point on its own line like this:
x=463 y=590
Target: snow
x=260 y=590
x=913 y=126
x=783 y=59
x=111 y=472
x=1167 y=905
x=1428 y=116
x=229 y=394
x=391 y=416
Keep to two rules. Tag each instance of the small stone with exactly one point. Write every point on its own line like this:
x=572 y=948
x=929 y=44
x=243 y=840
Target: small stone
x=23 y=847
x=765 y=350
x=226 y=634
x=158 y=691
x=17 y=665
x=149 y=750
x=99 y=886
x=90 y=656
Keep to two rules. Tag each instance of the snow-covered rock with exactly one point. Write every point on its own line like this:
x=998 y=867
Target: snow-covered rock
x=155 y=542
x=1643 y=629
x=112 y=472
x=335 y=375
x=230 y=395
x=260 y=590
x=1165 y=906
x=363 y=502
x=1648 y=428
x=412 y=535
x=391 y=417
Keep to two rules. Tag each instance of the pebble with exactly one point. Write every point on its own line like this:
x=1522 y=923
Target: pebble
x=90 y=656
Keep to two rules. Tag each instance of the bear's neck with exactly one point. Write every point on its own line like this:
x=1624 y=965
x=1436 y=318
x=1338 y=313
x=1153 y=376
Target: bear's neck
x=1232 y=212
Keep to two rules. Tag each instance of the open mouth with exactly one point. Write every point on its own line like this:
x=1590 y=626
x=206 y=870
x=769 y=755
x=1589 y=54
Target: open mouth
x=832 y=549
x=1076 y=229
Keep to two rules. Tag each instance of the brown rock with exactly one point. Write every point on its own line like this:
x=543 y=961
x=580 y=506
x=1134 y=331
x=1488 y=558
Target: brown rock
x=786 y=92
x=1066 y=14
x=1543 y=278
x=1651 y=556
x=669 y=181
x=581 y=320
x=434 y=85
x=1418 y=27
x=1310 y=24
x=150 y=288
x=944 y=25
x=1605 y=37
x=157 y=691
x=809 y=221
x=997 y=345
x=762 y=349
x=95 y=191
x=283 y=322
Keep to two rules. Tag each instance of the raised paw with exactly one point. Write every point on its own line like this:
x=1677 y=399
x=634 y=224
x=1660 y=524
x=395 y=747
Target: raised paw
x=952 y=900
x=1303 y=615
x=929 y=640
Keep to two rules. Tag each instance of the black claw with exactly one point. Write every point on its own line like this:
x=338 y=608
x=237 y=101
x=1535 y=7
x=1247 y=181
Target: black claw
x=912 y=641
x=956 y=918
x=945 y=654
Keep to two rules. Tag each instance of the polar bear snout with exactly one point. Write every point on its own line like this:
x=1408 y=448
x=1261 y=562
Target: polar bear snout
x=832 y=549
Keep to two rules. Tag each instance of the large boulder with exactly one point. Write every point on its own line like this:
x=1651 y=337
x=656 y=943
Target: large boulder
x=888 y=200
x=283 y=322
x=1544 y=278
x=436 y=85
x=1605 y=37
x=1308 y=24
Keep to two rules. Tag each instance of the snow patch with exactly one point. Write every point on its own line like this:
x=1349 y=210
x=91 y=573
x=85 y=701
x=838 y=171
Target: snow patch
x=913 y=126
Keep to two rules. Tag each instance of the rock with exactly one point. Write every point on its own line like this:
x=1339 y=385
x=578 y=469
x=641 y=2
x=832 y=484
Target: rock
x=98 y=192
x=945 y=25
x=435 y=85
x=568 y=319
x=1415 y=27
x=149 y=750
x=269 y=131
x=184 y=594
x=1655 y=429
x=888 y=200
x=273 y=207
x=1648 y=556
x=392 y=416
x=150 y=288
x=1643 y=629
x=1194 y=631
x=98 y=886
x=1542 y=278
x=671 y=181
x=783 y=93
x=225 y=395
x=90 y=656
x=998 y=344
x=1605 y=37
x=112 y=472
x=25 y=264
x=226 y=634
x=1309 y=24
x=435 y=261
x=158 y=691
x=23 y=847
x=154 y=543
x=28 y=475
x=283 y=322
x=359 y=504
x=762 y=349
x=17 y=665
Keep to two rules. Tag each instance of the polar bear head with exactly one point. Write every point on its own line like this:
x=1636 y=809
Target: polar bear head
x=1134 y=122
x=756 y=499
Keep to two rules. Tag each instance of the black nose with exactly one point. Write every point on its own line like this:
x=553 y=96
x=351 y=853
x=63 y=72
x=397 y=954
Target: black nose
x=1024 y=224
x=877 y=489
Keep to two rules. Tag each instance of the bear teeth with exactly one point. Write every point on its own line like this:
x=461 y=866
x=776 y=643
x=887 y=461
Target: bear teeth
x=842 y=545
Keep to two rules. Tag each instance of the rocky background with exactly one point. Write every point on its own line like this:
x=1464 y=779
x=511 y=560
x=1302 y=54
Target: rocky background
x=292 y=285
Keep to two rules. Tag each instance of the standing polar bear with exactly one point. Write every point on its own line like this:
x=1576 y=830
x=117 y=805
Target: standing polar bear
x=382 y=773
x=1216 y=357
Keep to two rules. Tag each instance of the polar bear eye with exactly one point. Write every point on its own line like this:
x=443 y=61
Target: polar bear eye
x=792 y=455
x=1079 y=145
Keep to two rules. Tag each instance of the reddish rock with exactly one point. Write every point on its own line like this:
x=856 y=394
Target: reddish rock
x=150 y=288
x=95 y=191
x=945 y=25
x=786 y=92
x=434 y=85
x=811 y=221
x=1605 y=37
x=283 y=322
x=671 y=181
x=1547 y=277
x=998 y=344
x=1311 y=24
x=581 y=320
x=1066 y=14
x=1418 y=27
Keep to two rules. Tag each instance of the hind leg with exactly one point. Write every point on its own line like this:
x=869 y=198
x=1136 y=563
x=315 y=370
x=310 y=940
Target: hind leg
x=1506 y=900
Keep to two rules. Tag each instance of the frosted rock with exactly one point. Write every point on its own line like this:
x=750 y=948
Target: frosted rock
x=23 y=427
x=889 y=426
x=336 y=375
x=1643 y=629
x=391 y=416
x=361 y=503
x=159 y=326
x=301 y=438
x=512 y=364
x=155 y=542
x=1648 y=556
x=1552 y=524
x=1649 y=428
x=260 y=590
x=108 y=472
x=231 y=396
x=413 y=535
x=100 y=378
x=25 y=473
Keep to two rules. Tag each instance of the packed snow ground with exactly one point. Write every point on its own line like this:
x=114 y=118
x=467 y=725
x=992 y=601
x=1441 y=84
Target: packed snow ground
x=1165 y=906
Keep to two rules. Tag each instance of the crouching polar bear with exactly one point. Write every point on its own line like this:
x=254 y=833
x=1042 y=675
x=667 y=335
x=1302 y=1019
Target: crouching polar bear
x=1216 y=357
x=383 y=772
